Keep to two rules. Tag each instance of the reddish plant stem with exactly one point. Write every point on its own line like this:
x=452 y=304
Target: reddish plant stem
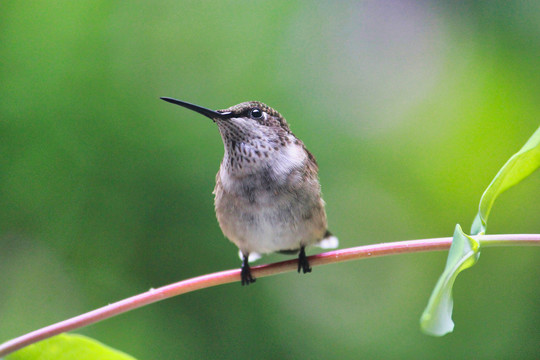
x=228 y=276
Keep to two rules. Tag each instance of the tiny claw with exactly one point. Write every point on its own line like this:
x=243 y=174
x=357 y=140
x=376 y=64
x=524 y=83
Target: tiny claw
x=245 y=273
x=303 y=262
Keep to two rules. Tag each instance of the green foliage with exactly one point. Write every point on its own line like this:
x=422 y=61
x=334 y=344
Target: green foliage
x=437 y=317
x=518 y=167
x=68 y=347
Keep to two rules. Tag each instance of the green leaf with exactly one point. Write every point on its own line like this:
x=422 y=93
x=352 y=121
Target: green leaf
x=437 y=317
x=68 y=347
x=518 y=167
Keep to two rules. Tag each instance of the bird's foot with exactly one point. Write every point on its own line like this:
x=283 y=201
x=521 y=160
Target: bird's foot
x=245 y=274
x=303 y=263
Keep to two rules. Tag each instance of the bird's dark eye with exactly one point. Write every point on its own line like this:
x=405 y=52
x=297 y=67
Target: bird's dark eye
x=255 y=113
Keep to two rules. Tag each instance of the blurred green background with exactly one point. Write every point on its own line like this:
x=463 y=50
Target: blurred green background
x=410 y=108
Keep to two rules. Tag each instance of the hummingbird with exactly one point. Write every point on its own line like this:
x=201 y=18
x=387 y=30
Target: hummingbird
x=267 y=193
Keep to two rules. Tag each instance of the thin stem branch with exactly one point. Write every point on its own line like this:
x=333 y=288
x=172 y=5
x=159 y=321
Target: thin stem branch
x=228 y=276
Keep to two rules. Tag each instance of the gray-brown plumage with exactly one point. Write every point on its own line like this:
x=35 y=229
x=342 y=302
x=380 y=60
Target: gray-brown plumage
x=267 y=194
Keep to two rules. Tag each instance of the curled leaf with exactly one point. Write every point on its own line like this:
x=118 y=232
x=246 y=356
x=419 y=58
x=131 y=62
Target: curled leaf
x=436 y=319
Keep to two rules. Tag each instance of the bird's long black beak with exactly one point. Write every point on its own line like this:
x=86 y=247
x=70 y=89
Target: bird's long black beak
x=201 y=110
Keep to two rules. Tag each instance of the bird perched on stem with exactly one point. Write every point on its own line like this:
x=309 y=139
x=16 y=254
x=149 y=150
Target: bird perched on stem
x=267 y=194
